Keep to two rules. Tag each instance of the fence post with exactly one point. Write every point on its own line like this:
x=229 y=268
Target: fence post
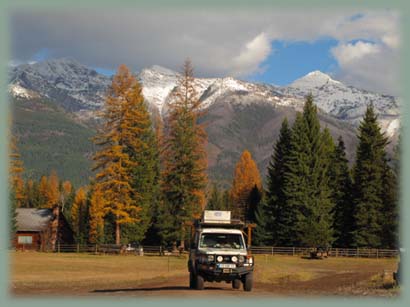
x=357 y=252
x=58 y=247
x=337 y=252
x=377 y=253
x=78 y=247
x=160 y=250
x=272 y=250
x=293 y=251
x=96 y=248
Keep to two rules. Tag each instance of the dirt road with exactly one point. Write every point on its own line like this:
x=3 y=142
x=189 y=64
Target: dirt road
x=354 y=283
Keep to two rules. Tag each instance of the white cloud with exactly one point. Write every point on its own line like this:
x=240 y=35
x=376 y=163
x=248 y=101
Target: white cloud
x=255 y=52
x=372 y=66
x=351 y=52
x=219 y=42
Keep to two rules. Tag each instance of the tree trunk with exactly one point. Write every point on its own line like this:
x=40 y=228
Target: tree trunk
x=117 y=233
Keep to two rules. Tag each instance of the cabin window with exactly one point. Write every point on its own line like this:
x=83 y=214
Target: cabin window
x=25 y=240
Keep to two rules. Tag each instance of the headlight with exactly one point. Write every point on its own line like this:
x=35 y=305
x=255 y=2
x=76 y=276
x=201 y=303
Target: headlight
x=234 y=259
x=219 y=258
x=241 y=258
x=211 y=258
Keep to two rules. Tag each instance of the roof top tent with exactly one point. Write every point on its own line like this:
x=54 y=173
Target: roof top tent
x=222 y=219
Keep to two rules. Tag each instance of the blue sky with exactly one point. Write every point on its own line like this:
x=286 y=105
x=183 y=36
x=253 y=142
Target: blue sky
x=358 y=47
x=289 y=61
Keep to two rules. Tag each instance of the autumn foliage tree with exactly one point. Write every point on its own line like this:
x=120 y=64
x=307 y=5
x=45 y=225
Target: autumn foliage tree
x=16 y=171
x=184 y=176
x=119 y=145
x=96 y=213
x=246 y=183
x=79 y=214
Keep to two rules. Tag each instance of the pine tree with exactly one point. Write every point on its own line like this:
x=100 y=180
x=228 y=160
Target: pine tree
x=215 y=201
x=120 y=146
x=279 y=217
x=262 y=234
x=390 y=209
x=306 y=181
x=368 y=182
x=246 y=178
x=184 y=174
x=341 y=188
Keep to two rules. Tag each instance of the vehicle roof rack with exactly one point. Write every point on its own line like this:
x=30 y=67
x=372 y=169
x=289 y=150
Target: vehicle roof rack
x=232 y=224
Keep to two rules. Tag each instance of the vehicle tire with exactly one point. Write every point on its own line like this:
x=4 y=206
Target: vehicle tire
x=192 y=280
x=199 y=282
x=236 y=283
x=248 y=282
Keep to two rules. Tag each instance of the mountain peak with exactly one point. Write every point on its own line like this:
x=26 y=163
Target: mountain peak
x=160 y=70
x=313 y=79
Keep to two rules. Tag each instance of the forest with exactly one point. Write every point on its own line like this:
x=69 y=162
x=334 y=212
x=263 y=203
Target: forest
x=151 y=179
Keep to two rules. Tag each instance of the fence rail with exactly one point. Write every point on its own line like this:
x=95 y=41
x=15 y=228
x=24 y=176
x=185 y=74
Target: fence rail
x=332 y=252
x=263 y=250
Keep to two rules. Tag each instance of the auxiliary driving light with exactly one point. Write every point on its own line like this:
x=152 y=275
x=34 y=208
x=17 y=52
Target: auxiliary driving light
x=219 y=258
x=241 y=258
x=211 y=258
x=234 y=259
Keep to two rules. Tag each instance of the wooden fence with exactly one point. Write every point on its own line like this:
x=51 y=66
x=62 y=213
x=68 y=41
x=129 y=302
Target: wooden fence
x=263 y=250
x=332 y=252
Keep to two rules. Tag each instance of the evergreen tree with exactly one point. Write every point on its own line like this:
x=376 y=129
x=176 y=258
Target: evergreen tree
x=216 y=201
x=184 y=175
x=390 y=209
x=368 y=182
x=246 y=178
x=262 y=234
x=341 y=188
x=279 y=217
x=306 y=181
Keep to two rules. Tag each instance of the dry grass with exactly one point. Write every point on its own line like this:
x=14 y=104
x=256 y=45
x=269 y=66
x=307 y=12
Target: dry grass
x=47 y=270
x=279 y=269
x=72 y=272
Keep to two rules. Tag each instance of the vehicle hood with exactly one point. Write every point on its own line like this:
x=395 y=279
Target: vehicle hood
x=223 y=251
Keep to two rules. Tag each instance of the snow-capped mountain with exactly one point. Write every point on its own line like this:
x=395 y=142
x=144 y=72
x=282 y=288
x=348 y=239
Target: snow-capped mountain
x=345 y=102
x=80 y=89
x=65 y=81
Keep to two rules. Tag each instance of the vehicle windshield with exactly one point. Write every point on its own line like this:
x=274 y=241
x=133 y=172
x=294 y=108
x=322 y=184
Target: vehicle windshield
x=221 y=240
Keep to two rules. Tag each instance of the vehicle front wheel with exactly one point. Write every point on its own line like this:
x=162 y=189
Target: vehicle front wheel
x=199 y=281
x=192 y=280
x=236 y=283
x=248 y=282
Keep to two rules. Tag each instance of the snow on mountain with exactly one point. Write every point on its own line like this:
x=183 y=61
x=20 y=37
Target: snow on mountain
x=81 y=90
x=65 y=80
x=343 y=102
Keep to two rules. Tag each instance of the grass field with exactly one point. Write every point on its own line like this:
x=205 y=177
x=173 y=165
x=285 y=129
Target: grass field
x=51 y=273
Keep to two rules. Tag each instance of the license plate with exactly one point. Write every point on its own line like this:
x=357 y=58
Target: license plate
x=227 y=266
x=226 y=270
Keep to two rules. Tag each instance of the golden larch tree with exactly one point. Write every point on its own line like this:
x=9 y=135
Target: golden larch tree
x=77 y=212
x=246 y=178
x=96 y=213
x=16 y=171
x=53 y=191
x=117 y=141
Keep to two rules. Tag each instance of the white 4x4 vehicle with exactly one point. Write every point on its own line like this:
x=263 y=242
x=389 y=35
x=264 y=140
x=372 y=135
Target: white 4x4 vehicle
x=218 y=253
